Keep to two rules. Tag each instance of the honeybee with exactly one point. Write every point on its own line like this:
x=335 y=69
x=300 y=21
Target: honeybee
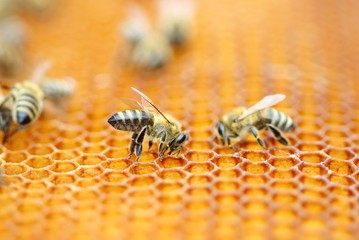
x=12 y=38
x=26 y=101
x=159 y=127
x=241 y=121
x=175 y=17
x=54 y=89
x=148 y=49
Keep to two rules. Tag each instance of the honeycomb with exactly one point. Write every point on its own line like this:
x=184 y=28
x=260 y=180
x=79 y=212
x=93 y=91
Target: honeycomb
x=67 y=176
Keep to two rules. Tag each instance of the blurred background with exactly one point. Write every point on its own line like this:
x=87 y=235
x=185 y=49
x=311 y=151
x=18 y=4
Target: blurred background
x=67 y=176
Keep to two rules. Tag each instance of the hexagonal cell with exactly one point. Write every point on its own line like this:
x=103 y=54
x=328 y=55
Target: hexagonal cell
x=226 y=161
x=142 y=181
x=62 y=178
x=37 y=174
x=255 y=156
x=142 y=169
x=14 y=169
x=255 y=168
x=255 y=179
x=224 y=150
x=310 y=136
x=226 y=186
x=284 y=185
x=119 y=142
x=313 y=207
x=172 y=162
x=337 y=142
x=63 y=166
x=116 y=164
x=148 y=157
x=38 y=162
x=313 y=181
x=65 y=155
x=199 y=181
x=112 y=189
x=199 y=168
x=40 y=150
x=94 y=148
x=117 y=152
x=284 y=198
x=90 y=160
x=227 y=173
x=88 y=172
x=199 y=156
x=341 y=191
x=341 y=180
x=115 y=177
x=15 y=157
x=172 y=175
x=340 y=153
x=252 y=145
x=313 y=157
x=283 y=174
x=67 y=144
x=310 y=147
x=282 y=152
x=312 y=170
x=199 y=145
x=316 y=194
x=340 y=167
x=201 y=192
x=283 y=162
x=170 y=187
x=255 y=192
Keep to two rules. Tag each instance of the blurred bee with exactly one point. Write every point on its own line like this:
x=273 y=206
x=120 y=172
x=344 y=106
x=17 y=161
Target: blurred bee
x=148 y=49
x=54 y=89
x=159 y=127
x=12 y=39
x=175 y=18
x=5 y=117
x=36 y=6
x=26 y=101
x=241 y=121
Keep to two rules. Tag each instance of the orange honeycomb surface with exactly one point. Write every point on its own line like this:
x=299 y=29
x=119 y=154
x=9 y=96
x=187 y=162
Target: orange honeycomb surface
x=67 y=176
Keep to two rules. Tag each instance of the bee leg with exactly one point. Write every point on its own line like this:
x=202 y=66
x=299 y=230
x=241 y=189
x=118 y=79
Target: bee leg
x=254 y=131
x=133 y=144
x=139 y=141
x=162 y=147
x=150 y=143
x=277 y=134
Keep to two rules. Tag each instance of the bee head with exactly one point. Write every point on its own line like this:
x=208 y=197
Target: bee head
x=177 y=143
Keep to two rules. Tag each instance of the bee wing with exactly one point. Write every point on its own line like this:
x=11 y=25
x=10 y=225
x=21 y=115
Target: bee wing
x=132 y=104
x=145 y=99
x=40 y=71
x=266 y=102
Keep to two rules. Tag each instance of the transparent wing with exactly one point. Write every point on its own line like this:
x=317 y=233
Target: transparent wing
x=145 y=99
x=131 y=103
x=40 y=71
x=266 y=102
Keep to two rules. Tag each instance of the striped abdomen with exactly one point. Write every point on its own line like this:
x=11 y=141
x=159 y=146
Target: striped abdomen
x=131 y=120
x=27 y=106
x=278 y=119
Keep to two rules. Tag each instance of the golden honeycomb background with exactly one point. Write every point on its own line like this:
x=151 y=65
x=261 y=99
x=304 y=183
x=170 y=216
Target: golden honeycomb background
x=66 y=177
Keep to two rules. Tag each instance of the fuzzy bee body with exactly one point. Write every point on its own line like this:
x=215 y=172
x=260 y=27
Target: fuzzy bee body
x=27 y=102
x=158 y=127
x=57 y=89
x=241 y=121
